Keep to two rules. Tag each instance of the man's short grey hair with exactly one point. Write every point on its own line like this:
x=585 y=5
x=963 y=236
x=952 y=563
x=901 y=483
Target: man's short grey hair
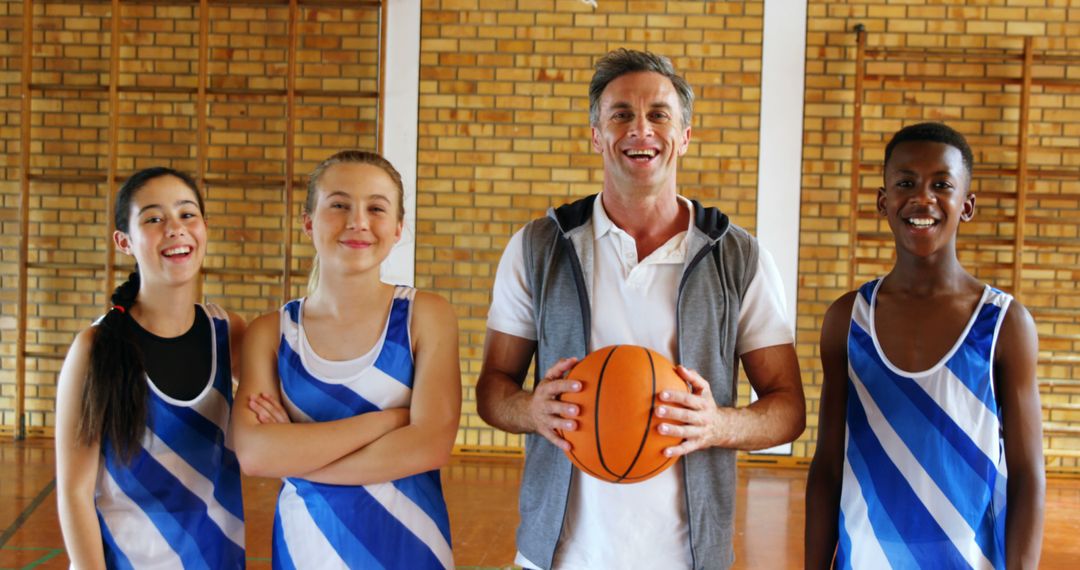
x=622 y=61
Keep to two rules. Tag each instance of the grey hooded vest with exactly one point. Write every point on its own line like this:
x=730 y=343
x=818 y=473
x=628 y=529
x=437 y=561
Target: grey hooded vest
x=721 y=261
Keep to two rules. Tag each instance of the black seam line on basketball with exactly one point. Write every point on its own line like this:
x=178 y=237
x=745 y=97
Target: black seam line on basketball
x=29 y=510
x=596 y=414
x=648 y=423
x=660 y=468
x=583 y=467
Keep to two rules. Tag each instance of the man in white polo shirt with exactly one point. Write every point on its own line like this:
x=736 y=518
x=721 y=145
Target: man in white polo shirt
x=638 y=264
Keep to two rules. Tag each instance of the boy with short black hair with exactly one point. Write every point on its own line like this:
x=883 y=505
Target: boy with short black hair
x=929 y=420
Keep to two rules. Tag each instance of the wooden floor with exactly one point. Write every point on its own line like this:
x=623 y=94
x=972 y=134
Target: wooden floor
x=482 y=498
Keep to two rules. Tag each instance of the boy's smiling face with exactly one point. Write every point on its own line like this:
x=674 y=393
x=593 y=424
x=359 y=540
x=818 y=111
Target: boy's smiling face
x=925 y=196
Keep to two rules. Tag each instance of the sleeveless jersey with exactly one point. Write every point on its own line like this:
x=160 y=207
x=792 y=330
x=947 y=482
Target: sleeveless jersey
x=178 y=503
x=924 y=464
x=398 y=524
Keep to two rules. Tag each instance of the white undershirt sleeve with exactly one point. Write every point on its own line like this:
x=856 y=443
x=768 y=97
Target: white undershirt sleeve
x=763 y=317
x=511 y=310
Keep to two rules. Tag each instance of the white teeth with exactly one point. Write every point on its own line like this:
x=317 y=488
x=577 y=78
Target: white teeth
x=177 y=251
x=921 y=222
x=641 y=152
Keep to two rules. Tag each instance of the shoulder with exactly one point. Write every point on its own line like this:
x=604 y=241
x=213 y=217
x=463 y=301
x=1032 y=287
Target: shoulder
x=432 y=307
x=77 y=361
x=237 y=324
x=83 y=342
x=838 y=316
x=264 y=328
x=842 y=305
x=1019 y=335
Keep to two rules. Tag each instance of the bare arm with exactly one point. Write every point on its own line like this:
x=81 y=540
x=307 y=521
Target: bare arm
x=823 y=483
x=237 y=328
x=76 y=463
x=1018 y=392
x=285 y=449
x=503 y=403
x=434 y=413
x=778 y=416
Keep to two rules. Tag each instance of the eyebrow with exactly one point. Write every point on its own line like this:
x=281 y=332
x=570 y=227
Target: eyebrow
x=347 y=195
x=626 y=105
x=945 y=172
x=178 y=203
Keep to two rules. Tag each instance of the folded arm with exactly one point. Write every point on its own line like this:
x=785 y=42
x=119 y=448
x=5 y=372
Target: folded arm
x=285 y=449
x=425 y=442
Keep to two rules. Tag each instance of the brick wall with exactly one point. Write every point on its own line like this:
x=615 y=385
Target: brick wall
x=987 y=113
x=157 y=123
x=504 y=130
x=504 y=134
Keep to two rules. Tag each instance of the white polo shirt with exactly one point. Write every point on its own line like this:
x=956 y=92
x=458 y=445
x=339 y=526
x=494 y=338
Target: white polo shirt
x=639 y=525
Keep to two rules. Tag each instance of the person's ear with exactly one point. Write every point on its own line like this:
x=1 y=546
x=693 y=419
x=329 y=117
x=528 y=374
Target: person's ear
x=307 y=224
x=685 y=146
x=968 y=210
x=122 y=241
x=880 y=200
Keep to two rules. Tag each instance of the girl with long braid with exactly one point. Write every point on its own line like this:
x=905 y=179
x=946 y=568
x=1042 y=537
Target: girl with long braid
x=353 y=393
x=146 y=477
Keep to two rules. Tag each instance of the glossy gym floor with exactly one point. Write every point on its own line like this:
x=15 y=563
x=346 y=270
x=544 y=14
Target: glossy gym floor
x=482 y=498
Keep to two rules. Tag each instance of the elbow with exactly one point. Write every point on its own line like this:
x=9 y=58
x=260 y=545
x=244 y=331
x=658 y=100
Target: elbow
x=441 y=447
x=483 y=402
x=798 y=426
x=253 y=463
x=440 y=457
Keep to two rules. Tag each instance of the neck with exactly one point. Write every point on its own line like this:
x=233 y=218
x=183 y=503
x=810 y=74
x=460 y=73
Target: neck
x=166 y=311
x=651 y=219
x=929 y=276
x=347 y=294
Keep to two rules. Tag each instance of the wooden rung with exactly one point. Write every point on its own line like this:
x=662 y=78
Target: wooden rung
x=1060 y=385
x=1057 y=428
x=44 y=355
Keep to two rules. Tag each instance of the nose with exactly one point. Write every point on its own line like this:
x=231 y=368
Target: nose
x=924 y=194
x=641 y=126
x=358 y=219
x=174 y=227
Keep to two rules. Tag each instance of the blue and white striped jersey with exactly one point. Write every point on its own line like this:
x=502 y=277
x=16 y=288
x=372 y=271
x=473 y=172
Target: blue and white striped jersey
x=178 y=503
x=397 y=524
x=924 y=465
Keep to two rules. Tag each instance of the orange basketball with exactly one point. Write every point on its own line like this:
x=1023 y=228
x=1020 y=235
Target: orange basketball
x=617 y=438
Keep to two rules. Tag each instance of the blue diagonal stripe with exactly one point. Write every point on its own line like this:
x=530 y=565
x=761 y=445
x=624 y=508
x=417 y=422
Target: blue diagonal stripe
x=970 y=364
x=200 y=444
x=320 y=401
x=114 y=557
x=339 y=532
x=369 y=523
x=179 y=514
x=885 y=488
x=843 y=545
x=885 y=532
x=395 y=359
x=280 y=557
x=927 y=431
x=425 y=490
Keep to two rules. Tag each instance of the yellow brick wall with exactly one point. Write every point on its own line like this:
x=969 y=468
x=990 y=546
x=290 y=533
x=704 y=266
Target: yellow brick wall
x=337 y=60
x=504 y=130
x=503 y=134
x=987 y=113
